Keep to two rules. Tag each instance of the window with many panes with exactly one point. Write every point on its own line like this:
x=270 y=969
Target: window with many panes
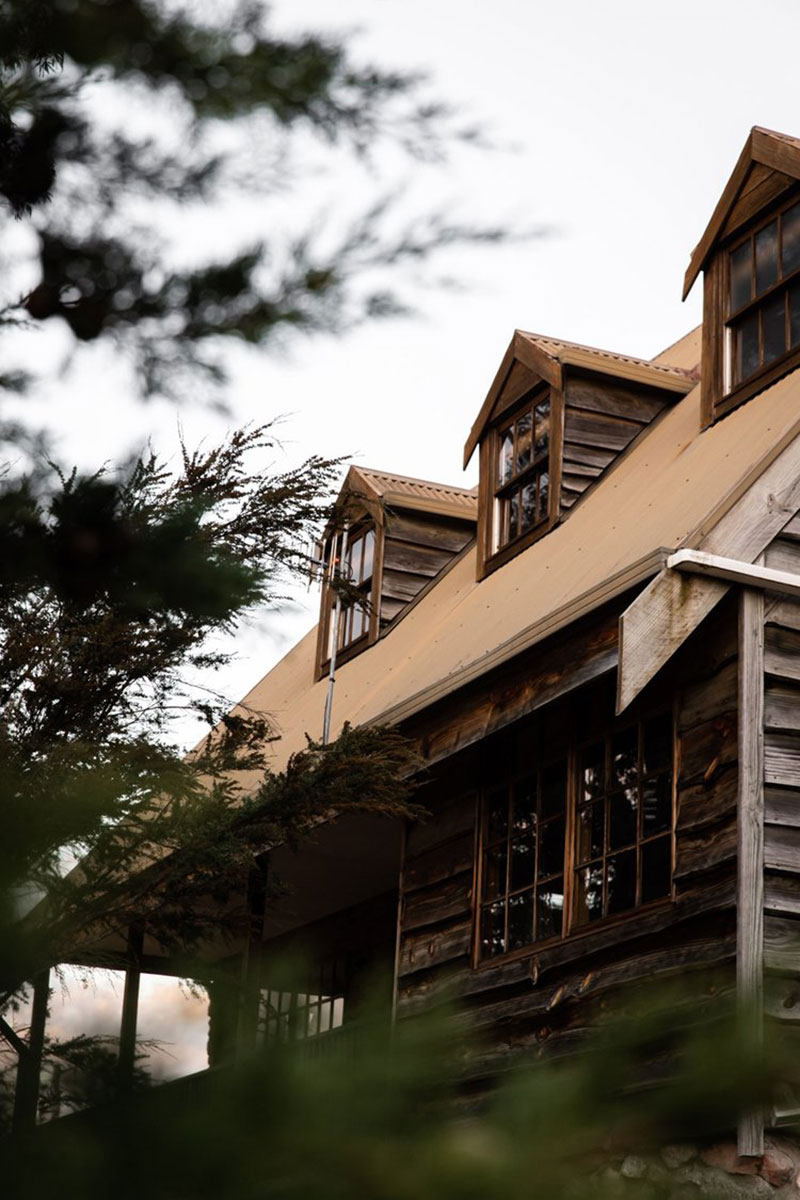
x=522 y=868
x=764 y=296
x=351 y=561
x=289 y=1016
x=522 y=471
x=570 y=842
x=623 y=850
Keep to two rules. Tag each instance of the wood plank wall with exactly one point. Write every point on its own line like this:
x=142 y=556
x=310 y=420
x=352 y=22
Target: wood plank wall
x=417 y=546
x=601 y=418
x=543 y=1003
x=782 y=790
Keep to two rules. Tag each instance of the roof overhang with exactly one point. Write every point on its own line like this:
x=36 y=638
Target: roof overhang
x=768 y=164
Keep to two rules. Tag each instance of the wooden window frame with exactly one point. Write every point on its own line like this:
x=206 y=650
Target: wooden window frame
x=290 y=1016
x=721 y=394
x=359 y=529
x=491 y=555
x=572 y=928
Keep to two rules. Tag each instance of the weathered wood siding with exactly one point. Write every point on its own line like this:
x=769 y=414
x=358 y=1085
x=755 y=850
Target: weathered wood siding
x=542 y=1002
x=782 y=789
x=417 y=546
x=601 y=418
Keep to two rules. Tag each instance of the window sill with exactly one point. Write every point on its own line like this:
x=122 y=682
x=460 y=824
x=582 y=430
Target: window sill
x=577 y=937
x=757 y=383
x=512 y=549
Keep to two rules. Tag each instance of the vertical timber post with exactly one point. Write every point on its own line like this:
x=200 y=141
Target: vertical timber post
x=130 y=1007
x=250 y=983
x=29 y=1068
x=750 y=882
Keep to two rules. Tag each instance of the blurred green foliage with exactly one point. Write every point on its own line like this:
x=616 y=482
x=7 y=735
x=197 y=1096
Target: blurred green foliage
x=390 y=1116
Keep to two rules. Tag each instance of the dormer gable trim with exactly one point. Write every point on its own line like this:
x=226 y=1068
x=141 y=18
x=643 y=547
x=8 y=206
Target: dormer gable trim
x=768 y=164
x=546 y=358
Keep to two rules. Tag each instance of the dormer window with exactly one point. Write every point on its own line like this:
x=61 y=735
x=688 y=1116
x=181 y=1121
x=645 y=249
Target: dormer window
x=355 y=598
x=749 y=255
x=522 y=492
x=554 y=420
x=390 y=538
x=763 y=296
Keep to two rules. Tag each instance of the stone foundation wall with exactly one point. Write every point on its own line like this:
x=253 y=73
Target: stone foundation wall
x=692 y=1172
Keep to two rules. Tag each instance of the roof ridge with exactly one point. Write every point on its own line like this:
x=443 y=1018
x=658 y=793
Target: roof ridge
x=610 y=354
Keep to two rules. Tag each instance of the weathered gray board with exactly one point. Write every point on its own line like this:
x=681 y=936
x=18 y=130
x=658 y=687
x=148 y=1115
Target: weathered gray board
x=658 y=622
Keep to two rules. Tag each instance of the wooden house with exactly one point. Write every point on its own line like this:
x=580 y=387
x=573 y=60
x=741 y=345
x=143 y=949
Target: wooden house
x=598 y=656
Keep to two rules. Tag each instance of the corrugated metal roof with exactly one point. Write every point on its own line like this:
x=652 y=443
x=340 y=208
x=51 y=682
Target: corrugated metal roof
x=670 y=488
x=387 y=484
x=564 y=352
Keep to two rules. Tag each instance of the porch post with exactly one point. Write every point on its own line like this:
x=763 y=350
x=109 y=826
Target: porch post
x=29 y=1066
x=250 y=982
x=130 y=1006
x=750 y=881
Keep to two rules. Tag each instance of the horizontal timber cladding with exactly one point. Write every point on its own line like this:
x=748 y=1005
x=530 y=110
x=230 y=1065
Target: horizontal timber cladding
x=416 y=547
x=601 y=418
x=782 y=793
x=542 y=999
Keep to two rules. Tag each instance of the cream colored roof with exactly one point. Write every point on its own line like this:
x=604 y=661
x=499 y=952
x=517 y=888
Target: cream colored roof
x=573 y=353
x=667 y=491
x=686 y=352
x=396 y=489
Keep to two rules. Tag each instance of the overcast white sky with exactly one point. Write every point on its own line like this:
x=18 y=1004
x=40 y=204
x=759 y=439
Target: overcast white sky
x=626 y=119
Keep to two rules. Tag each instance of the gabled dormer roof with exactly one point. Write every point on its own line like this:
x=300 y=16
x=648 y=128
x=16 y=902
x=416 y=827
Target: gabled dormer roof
x=404 y=491
x=532 y=358
x=767 y=166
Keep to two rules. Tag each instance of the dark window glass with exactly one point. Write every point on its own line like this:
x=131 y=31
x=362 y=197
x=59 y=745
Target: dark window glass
x=525 y=805
x=493 y=939
x=741 y=261
x=498 y=815
x=550 y=909
x=522 y=487
x=656 y=869
x=542 y=428
x=766 y=257
x=773 y=317
x=524 y=443
x=591 y=831
x=544 y=494
x=590 y=894
x=528 y=506
x=554 y=784
x=496 y=863
x=629 y=802
x=513 y=515
x=593 y=770
x=520 y=920
x=622 y=818
x=747 y=346
x=624 y=758
x=794 y=315
x=656 y=805
x=522 y=862
x=551 y=854
x=790 y=240
x=657 y=744
x=621 y=875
